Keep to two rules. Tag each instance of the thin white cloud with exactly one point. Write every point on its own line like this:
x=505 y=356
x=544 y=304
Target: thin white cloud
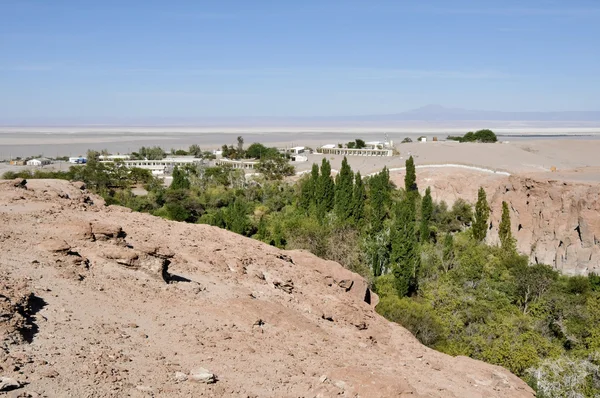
x=519 y=11
x=351 y=73
x=181 y=94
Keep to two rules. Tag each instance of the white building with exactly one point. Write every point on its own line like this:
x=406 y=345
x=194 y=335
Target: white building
x=245 y=164
x=299 y=158
x=423 y=139
x=113 y=157
x=38 y=162
x=327 y=150
x=162 y=166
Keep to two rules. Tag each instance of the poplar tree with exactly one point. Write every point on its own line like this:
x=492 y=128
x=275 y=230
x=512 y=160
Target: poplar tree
x=379 y=197
x=343 y=191
x=180 y=179
x=405 y=256
x=482 y=213
x=359 y=195
x=308 y=189
x=325 y=192
x=504 y=232
x=410 y=179
x=426 y=212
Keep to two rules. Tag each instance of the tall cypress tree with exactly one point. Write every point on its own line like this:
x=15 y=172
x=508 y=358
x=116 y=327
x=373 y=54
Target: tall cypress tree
x=359 y=195
x=410 y=179
x=405 y=256
x=504 y=231
x=343 y=191
x=426 y=212
x=482 y=213
x=308 y=189
x=379 y=198
x=325 y=192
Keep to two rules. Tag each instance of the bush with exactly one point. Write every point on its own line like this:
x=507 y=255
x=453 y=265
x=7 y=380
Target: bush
x=415 y=316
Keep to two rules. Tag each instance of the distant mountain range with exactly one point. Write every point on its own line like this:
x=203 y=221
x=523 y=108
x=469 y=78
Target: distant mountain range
x=427 y=114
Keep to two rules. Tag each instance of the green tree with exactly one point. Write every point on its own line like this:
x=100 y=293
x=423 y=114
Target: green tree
x=195 y=150
x=426 y=213
x=343 y=191
x=351 y=145
x=240 y=145
x=379 y=198
x=360 y=144
x=236 y=218
x=482 y=213
x=180 y=179
x=448 y=253
x=405 y=256
x=410 y=179
x=359 y=195
x=275 y=167
x=307 y=189
x=325 y=190
x=504 y=231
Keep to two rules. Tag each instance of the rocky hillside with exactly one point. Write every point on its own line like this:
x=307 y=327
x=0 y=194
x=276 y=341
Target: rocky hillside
x=554 y=222
x=97 y=301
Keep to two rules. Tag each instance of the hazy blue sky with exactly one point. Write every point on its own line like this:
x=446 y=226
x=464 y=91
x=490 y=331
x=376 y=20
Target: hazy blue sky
x=198 y=58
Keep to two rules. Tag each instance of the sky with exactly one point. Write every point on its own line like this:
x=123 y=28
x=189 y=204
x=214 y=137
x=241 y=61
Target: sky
x=101 y=60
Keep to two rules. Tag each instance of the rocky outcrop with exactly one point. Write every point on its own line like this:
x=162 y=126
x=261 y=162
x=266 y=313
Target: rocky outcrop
x=555 y=223
x=123 y=301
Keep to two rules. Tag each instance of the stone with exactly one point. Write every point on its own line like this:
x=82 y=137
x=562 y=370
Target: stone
x=79 y=185
x=287 y=286
x=346 y=284
x=180 y=376
x=20 y=183
x=202 y=375
x=8 y=384
x=55 y=245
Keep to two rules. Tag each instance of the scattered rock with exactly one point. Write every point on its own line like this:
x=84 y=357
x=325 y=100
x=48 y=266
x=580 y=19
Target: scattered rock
x=285 y=258
x=79 y=185
x=323 y=379
x=327 y=316
x=287 y=286
x=346 y=284
x=361 y=325
x=202 y=375
x=180 y=376
x=8 y=384
x=20 y=183
x=55 y=245
x=49 y=373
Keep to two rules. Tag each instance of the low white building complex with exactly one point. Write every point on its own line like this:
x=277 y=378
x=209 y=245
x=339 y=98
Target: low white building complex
x=158 y=167
x=245 y=164
x=332 y=150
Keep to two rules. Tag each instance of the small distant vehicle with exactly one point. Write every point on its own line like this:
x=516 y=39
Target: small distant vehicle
x=78 y=160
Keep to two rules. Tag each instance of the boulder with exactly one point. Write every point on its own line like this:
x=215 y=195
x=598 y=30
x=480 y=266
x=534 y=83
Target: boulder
x=8 y=384
x=202 y=375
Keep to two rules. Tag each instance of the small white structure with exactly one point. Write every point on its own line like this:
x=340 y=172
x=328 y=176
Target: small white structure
x=299 y=158
x=297 y=150
x=38 y=162
x=423 y=139
x=217 y=152
x=328 y=146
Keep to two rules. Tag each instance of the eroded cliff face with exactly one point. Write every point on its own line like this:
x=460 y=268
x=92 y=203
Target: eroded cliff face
x=555 y=222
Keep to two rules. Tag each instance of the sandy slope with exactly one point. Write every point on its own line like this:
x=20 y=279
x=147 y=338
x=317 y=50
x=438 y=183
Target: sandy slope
x=103 y=321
